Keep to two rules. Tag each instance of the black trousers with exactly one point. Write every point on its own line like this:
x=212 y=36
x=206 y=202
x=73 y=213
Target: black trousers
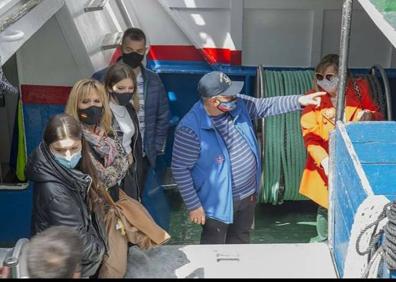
x=217 y=232
x=130 y=183
x=145 y=169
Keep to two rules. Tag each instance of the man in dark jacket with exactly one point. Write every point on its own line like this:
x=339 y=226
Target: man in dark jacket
x=59 y=199
x=153 y=111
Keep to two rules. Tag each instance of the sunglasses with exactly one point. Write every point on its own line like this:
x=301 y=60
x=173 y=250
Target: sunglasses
x=329 y=76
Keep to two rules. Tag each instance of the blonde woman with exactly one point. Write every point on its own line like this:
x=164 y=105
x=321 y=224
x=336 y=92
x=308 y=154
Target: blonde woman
x=88 y=102
x=318 y=122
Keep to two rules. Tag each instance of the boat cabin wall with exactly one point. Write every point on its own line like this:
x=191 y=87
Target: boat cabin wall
x=281 y=33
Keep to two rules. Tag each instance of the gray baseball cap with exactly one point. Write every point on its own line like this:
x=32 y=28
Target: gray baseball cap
x=218 y=83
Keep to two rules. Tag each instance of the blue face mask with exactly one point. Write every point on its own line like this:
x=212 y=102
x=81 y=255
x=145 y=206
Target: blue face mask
x=68 y=162
x=227 y=106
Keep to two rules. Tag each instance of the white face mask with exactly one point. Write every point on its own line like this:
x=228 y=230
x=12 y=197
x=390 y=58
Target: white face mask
x=329 y=86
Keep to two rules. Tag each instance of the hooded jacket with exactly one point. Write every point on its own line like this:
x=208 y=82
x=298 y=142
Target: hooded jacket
x=59 y=198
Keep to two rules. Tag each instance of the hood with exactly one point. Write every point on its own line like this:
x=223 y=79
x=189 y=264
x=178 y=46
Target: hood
x=42 y=167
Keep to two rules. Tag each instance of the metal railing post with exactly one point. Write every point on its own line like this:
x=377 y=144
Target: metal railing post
x=344 y=54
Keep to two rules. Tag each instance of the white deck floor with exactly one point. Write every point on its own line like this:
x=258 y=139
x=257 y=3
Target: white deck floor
x=233 y=261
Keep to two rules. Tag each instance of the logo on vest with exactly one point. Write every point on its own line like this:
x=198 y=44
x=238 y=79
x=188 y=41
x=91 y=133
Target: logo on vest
x=219 y=159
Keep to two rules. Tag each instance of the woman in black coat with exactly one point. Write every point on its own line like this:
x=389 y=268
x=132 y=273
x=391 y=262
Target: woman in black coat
x=65 y=190
x=121 y=85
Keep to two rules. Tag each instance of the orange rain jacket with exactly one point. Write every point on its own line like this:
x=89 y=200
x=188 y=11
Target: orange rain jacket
x=316 y=124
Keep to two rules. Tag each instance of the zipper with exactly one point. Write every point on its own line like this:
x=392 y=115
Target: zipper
x=145 y=81
x=90 y=184
x=226 y=154
x=83 y=204
x=135 y=169
x=87 y=195
x=134 y=119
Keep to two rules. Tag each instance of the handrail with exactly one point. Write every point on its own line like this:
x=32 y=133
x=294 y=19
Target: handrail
x=387 y=89
x=23 y=10
x=95 y=5
x=14 y=261
x=124 y=12
x=112 y=40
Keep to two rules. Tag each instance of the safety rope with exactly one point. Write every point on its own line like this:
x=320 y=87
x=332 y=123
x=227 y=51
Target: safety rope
x=382 y=242
x=389 y=244
x=284 y=151
x=377 y=93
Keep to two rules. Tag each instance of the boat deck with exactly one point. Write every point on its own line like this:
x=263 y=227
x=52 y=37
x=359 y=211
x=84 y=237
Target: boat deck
x=291 y=222
x=233 y=261
x=279 y=248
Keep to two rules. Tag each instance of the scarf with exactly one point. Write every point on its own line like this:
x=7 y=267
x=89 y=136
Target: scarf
x=104 y=146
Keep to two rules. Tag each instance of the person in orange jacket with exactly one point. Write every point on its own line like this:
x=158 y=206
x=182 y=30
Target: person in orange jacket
x=318 y=122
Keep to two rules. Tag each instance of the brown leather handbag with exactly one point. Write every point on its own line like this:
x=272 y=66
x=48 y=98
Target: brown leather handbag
x=127 y=221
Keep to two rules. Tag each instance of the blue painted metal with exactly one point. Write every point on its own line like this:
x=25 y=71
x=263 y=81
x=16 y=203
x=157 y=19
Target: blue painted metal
x=154 y=198
x=375 y=146
x=16 y=206
x=36 y=118
x=179 y=67
x=15 y=216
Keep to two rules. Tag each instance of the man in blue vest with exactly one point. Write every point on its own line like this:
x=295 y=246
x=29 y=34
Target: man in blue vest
x=216 y=162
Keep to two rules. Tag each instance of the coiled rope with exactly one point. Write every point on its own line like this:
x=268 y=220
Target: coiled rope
x=284 y=151
x=382 y=242
x=377 y=93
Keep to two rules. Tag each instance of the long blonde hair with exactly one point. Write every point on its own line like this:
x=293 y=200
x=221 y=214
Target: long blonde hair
x=80 y=91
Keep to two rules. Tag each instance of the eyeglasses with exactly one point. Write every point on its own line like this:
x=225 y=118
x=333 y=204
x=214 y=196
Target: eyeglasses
x=329 y=76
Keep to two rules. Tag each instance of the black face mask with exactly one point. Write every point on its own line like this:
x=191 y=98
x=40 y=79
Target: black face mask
x=91 y=115
x=132 y=59
x=122 y=98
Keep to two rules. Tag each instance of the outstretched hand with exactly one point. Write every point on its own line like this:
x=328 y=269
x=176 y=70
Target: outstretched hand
x=311 y=99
